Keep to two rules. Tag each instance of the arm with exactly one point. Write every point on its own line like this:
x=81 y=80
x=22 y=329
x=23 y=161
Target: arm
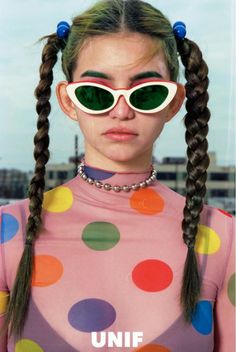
x=4 y=294
x=3 y=304
x=224 y=312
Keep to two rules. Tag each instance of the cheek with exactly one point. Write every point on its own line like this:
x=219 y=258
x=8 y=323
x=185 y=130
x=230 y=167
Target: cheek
x=90 y=126
x=159 y=121
x=154 y=127
x=157 y=131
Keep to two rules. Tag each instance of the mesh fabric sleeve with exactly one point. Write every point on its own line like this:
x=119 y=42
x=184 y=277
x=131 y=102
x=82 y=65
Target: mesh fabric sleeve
x=225 y=301
x=4 y=293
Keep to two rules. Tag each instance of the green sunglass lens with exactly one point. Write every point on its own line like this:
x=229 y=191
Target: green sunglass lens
x=149 y=97
x=94 y=98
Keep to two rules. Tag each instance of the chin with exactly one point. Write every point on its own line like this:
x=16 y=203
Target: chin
x=122 y=157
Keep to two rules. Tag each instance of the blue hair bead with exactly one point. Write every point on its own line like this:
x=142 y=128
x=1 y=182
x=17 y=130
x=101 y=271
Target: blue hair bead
x=63 y=29
x=179 y=29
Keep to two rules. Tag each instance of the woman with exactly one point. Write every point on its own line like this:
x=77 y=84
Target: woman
x=102 y=263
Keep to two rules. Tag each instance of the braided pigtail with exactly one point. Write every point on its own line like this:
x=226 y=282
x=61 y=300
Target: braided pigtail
x=196 y=122
x=19 y=299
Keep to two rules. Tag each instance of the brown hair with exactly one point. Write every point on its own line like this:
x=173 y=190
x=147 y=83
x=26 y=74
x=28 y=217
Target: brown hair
x=112 y=17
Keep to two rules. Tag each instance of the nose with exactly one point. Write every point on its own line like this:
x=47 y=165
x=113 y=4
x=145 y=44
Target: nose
x=122 y=110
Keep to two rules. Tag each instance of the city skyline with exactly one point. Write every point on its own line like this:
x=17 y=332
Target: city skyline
x=220 y=184
x=20 y=62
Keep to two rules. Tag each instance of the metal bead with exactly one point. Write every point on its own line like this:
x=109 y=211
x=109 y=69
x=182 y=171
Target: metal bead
x=107 y=187
x=135 y=186
x=89 y=180
x=98 y=184
x=117 y=188
x=125 y=188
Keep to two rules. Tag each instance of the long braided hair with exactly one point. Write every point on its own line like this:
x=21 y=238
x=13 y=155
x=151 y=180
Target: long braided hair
x=112 y=17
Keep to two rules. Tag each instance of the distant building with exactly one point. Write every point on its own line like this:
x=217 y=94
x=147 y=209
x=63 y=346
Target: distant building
x=220 y=180
x=13 y=183
x=171 y=171
x=57 y=174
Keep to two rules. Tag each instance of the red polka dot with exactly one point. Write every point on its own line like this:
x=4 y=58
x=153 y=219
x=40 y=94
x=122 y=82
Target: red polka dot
x=152 y=275
x=47 y=270
x=225 y=212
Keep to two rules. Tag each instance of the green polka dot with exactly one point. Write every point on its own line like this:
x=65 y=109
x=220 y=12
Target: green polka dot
x=100 y=235
x=231 y=289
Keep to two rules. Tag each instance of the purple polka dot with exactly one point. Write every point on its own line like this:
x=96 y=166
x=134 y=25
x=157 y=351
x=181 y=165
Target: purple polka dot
x=10 y=227
x=91 y=314
x=97 y=174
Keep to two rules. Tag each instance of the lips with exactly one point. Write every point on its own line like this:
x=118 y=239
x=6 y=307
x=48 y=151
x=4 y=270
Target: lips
x=120 y=130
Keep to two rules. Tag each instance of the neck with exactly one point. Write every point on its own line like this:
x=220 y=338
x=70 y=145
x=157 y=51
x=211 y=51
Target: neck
x=135 y=165
x=117 y=178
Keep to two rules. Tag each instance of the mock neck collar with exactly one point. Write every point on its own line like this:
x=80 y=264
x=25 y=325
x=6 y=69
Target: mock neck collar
x=120 y=178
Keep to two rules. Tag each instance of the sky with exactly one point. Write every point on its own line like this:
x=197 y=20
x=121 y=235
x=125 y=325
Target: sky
x=209 y=23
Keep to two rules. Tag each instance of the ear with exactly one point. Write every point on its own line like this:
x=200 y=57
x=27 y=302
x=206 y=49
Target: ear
x=177 y=102
x=64 y=101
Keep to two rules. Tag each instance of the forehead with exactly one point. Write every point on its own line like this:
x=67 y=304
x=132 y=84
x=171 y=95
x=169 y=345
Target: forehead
x=121 y=54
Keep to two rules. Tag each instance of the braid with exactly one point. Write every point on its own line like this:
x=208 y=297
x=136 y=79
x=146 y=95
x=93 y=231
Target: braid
x=196 y=122
x=19 y=300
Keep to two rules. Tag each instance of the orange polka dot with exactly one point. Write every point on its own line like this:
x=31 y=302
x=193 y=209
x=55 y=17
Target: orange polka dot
x=147 y=201
x=152 y=348
x=47 y=270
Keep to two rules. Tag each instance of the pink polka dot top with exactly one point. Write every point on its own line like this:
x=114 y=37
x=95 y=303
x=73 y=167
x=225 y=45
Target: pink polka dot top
x=108 y=270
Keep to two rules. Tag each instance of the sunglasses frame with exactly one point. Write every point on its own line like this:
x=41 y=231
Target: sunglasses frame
x=126 y=92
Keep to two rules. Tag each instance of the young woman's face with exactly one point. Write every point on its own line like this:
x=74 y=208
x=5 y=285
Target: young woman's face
x=119 y=58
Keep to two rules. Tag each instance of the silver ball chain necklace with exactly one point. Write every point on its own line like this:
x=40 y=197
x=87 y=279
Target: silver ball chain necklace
x=116 y=188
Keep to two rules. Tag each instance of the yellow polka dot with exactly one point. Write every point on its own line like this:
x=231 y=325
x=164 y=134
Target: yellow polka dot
x=58 y=199
x=4 y=298
x=207 y=240
x=26 y=345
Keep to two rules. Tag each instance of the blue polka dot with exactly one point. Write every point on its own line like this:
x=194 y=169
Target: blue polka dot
x=9 y=228
x=91 y=315
x=202 y=318
x=97 y=174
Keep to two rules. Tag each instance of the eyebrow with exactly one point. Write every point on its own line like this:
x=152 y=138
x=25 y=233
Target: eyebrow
x=141 y=75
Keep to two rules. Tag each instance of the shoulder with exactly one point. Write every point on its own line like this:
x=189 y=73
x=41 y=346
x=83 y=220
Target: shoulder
x=216 y=229
x=14 y=209
x=215 y=241
x=15 y=215
x=211 y=217
x=220 y=221
x=12 y=218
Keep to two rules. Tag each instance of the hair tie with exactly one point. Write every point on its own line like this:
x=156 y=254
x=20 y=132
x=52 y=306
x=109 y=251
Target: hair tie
x=179 y=29
x=63 y=29
x=28 y=241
